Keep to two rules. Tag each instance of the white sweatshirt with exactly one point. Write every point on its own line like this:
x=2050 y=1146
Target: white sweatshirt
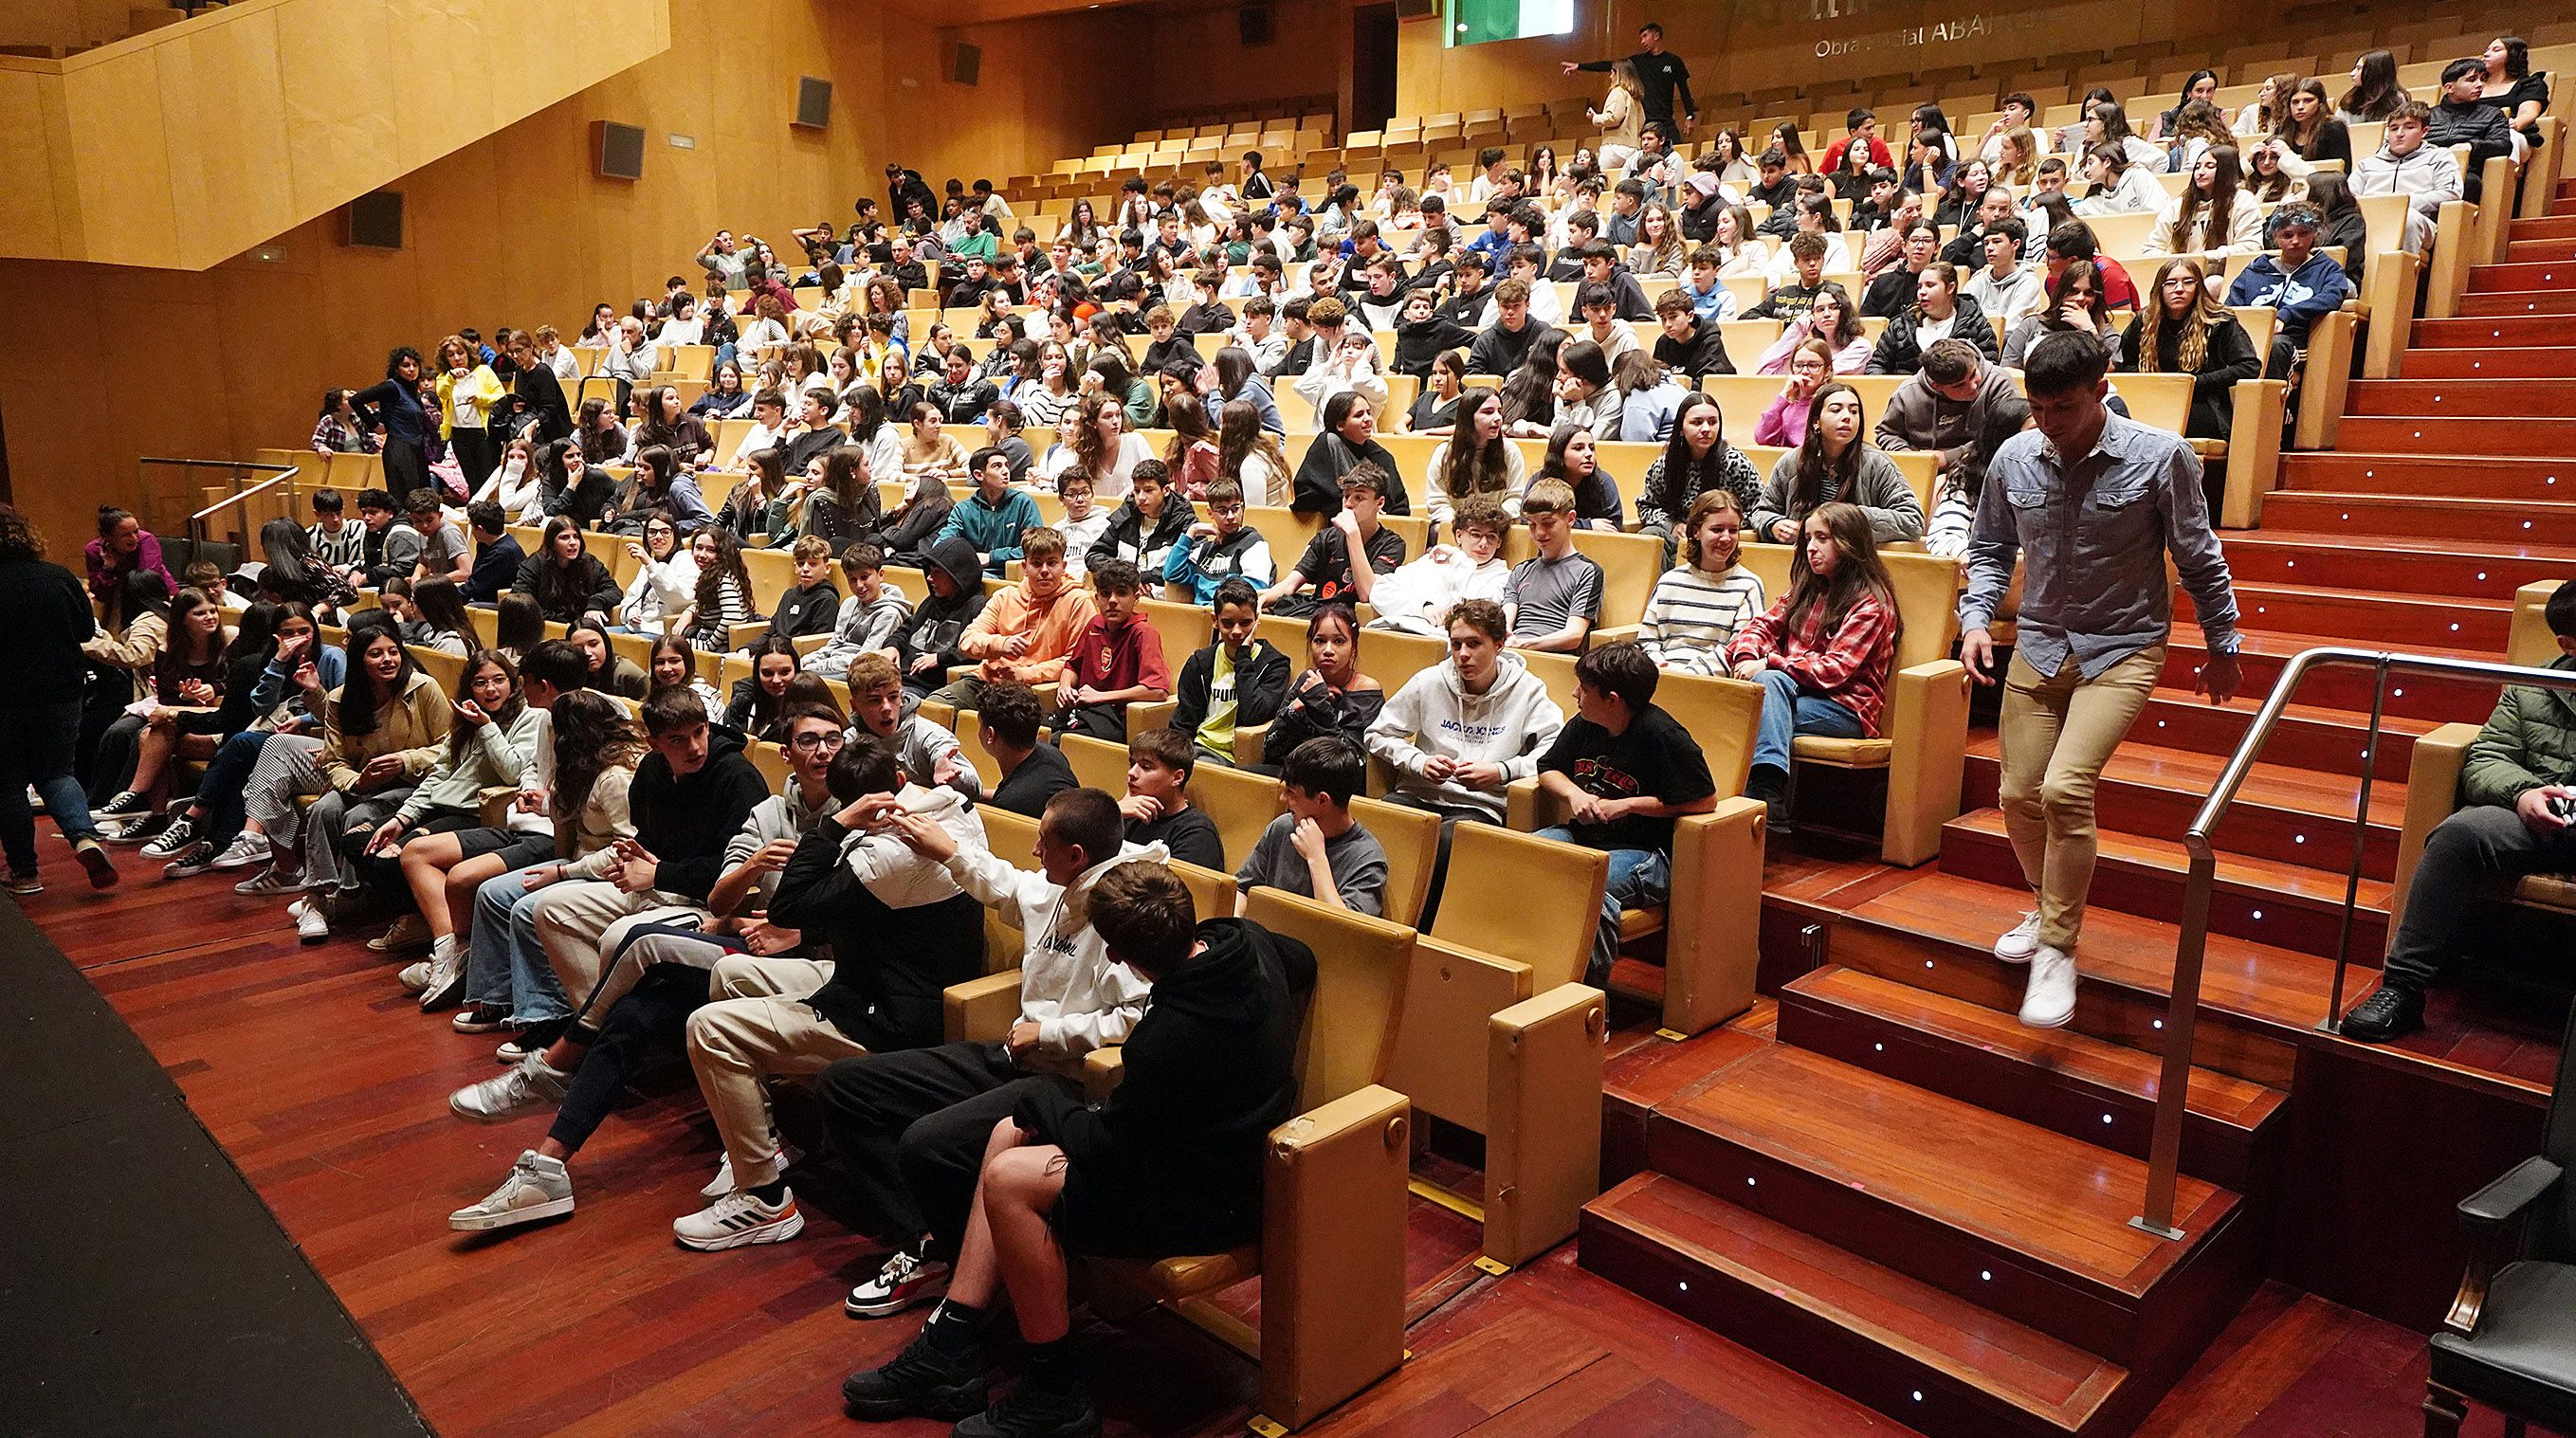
x=1079 y=1000
x=1511 y=724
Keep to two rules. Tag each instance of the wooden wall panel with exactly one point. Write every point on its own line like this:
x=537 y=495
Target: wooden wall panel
x=1200 y=58
x=26 y=183
x=330 y=107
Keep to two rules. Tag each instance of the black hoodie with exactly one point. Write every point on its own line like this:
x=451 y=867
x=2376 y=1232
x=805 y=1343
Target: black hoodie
x=1172 y=1162
x=1260 y=687
x=685 y=822
x=891 y=966
x=937 y=623
x=1125 y=536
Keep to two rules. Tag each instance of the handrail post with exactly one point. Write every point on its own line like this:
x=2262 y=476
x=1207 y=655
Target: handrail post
x=2360 y=843
x=2182 y=1021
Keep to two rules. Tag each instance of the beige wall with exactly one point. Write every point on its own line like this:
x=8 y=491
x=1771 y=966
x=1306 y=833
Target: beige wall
x=514 y=229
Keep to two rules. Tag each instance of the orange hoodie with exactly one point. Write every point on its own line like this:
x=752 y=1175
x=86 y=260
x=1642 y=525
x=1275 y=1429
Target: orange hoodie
x=1052 y=626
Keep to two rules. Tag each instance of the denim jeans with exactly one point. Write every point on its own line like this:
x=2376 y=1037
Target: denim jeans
x=36 y=743
x=1639 y=878
x=219 y=789
x=503 y=964
x=1786 y=714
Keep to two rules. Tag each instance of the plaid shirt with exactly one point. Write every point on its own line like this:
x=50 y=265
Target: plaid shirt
x=1850 y=668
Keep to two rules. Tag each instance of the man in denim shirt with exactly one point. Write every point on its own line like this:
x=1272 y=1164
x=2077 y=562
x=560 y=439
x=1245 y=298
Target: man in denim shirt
x=2095 y=613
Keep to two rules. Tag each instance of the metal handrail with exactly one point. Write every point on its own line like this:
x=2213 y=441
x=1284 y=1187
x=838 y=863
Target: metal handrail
x=2164 y=1152
x=278 y=474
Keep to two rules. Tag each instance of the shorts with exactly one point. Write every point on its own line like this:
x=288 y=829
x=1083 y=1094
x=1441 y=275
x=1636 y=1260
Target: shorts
x=517 y=850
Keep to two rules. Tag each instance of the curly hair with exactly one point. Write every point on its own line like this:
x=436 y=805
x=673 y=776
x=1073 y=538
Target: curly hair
x=20 y=540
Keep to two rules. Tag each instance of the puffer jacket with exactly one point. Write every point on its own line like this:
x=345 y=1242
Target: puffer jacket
x=2529 y=741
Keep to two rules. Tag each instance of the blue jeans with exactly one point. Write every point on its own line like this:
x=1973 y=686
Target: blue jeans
x=504 y=965
x=219 y=789
x=1786 y=714
x=1639 y=878
x=36 y=744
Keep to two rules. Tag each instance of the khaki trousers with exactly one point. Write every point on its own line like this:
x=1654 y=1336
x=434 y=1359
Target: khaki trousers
x=757 y=1027
x=2058 y=731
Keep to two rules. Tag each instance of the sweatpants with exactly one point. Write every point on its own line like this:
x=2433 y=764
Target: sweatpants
x=633 y=946
x=758 y=1026
x=2058 y=731
x=914 y=1125
x=653 y=1013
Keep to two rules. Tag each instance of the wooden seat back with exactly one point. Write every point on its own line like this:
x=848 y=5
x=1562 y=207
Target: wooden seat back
x=1360 y=965
x=1411 y=838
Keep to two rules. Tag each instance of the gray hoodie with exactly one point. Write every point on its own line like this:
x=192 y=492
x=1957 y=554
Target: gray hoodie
x=1511 y=724
x=859 y=628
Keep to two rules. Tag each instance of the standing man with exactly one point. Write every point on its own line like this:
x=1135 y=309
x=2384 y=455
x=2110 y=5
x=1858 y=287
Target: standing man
x=2095 y=613
x=1663 y=75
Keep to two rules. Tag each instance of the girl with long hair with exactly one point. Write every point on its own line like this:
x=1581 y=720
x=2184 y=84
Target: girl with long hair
x=2375 y=93
x=1822 y=652
x=1193 y=454
x=2313 y=131
x=290 y=573
x=2119 y=187
x=1833 y=463
x=669 y=424
x=760 y=697
x=1574 y=459
x=2074 y=303
x=438 y=617
x=467 y=391
x=2343 y=223
x=2183 y=329
x=1696 y=460
x=2201 y=85
x=514 y=483
x=1476 y=460
x=674 y=665
x=609 y=671
x=720 y=597
x=187 y=679
x=1784 y=420
x=1831 y=320
x=2212 y=213
x=1740 y=250
x=1435 y=410
x=1250 y=456
x=2513 y=90
x=1622 y=116
x=2263 y=115
x=2200 y=128
x=2265 y=180
x=1102 y=446
x=1330 y=697
x=565 y=578
x=1659 y=249
x=726 y=397
x=492 y=742
x=666 y=578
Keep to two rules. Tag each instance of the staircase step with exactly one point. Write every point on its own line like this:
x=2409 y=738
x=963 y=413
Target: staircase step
x=2457 y=397
x=2445 y=568
x=2430 y=479
x=2266 y=900
x=2539 y=250
x=2527 y=275
x=2265 y=654
x=2361 y=517
x=2059 y=1079
x=2520 y=302
x=2369 y=616
x=2307 y=736
x=2489 y=333
x=2030 y=1224
x=2534 y=360
x=1938 y=930
x=1941 y=1365
x=2286 y=815
x=2546 y=227
x=2472 y=438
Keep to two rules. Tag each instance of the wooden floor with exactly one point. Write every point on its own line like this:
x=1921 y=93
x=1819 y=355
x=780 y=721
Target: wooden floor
x=327 y=1088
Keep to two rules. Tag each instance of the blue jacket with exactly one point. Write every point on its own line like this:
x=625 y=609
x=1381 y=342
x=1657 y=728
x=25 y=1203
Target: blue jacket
x=1205 y=564
x=2302 y=297
x=994 y=529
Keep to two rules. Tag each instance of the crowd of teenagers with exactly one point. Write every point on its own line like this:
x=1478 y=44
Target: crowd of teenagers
x=590 y=866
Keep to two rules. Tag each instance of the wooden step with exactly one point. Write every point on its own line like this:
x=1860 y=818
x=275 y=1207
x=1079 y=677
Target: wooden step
x=2445 y=568
x=1937 y=931
x=1941 y=1365
x=2370 y=616
x=2471 y=438
x=2430 y=479
x=2059 y=1079
x=2530 y=275
x=2488 y=333
x=2265 y=654
x=2030 y=1224
x=2287 y=815
x=2269 y=901
x=2533 y=360
x=2546 y=227
x=2539 y=250
x=2470 y=397
x=2307 y=736
x=2360 y=517
x=2519 y=302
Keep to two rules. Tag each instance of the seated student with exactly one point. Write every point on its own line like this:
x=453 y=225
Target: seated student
x=1939 y=312
x=1554 y=595
x=2002 y=289
x=337 y=544
x=1233 y=683
x=1171 y=1164
x=1330 y=697
x=1026 y=631
x=609 y=672
x=1458 y=733
x=927 y=646
x=759 y=699
x=1423 y=334
x=812 y=605
x=2298 y=284
x=900 y=931
x=1220 y=547
x=688 y=798
x=1626 y=769
x=497 y=556
x=1945 y=408
x=1033 y=771
x=1153 y=518
x=213 y=831
x=1117 y=660
x=1834 y=462
x=1417 y=597
x=1700 y=604
x=2185 y=330
x=1711 y=302
x=1478 y=459
x=1788 y=302
x=1316 y=850
x=1346 y=441
x=567 y=580
x=2518 y=816
x=492 y=744
x=2405 y=165
x=1158 y=807
x=868 y=620
x=1501 y=347
x=995 y=516
x=655 y=977
x=911 y=1125
x=392 y=547
x=1690 y=344
x=1083 y=524
x=1324 y=574
x=928 y=753
x=2463 y=118
x=1822 y=651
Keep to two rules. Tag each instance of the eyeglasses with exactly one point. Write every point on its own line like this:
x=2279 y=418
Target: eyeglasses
x=809 y=743
x=1226 y=511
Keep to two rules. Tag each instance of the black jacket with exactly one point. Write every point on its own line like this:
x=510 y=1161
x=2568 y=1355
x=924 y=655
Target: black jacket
x=1172 y=1163
x=496 y=567
x=1313 y=711
x=2229 y=357
x=802 y=449
x=807 y=611
x=1898 y=352
x=1260 y=684
x=588 y=587
x=684 y=823
x=47 y=616
x=585 y=502
x=889 y=965
x=937 y=623
x=1500 y=351
x=1317 y=488
x=1703 y=353
x=962 y=403
x=1419 y=342
x=1125 y=536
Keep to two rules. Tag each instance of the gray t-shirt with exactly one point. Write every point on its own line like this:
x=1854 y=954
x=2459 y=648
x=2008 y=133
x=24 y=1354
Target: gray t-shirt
x=1356 y=858
x=440 y=548
x=1549 y=593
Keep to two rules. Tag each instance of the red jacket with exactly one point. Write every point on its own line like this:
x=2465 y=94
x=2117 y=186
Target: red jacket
x=1848 y=666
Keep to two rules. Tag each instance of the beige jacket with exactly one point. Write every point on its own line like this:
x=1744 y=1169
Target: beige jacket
x=416 y=729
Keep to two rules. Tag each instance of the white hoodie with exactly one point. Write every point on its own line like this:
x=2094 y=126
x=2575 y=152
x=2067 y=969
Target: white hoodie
x=1079 y=1000
x=1511 y=724
x=1417 y=596
x=900 y=878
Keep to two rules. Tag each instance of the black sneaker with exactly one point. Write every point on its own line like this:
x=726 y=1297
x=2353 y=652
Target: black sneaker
x=142 y=830
x=1031 y=1412
x=921 y=1382
x=126 y=805
x=191 y=860
x=2395 y=1011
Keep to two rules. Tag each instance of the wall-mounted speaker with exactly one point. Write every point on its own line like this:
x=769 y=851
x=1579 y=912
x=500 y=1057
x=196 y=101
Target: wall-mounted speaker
x=1252 y=25
x=616 y=151
x=966 y=63
x=374 y=221
x=1416 y=9
x=813 y=102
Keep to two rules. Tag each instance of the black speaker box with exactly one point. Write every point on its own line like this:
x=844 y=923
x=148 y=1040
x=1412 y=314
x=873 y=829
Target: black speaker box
x=1252 y=23
x=813 y=102
x=374 y=221
x=617 y=151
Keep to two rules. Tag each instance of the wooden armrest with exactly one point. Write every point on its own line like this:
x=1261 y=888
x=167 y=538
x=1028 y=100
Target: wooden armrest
x=983 y=1010
x=2253 y=450
x=1251 y=745
x=1543 y=1137
x=1928 y=752
x=1615 y=634
x=1713 y=922
x=1101 y=1071
x=809 y=643
x=492 y=805
x=1334 y=1199
x=740 y=636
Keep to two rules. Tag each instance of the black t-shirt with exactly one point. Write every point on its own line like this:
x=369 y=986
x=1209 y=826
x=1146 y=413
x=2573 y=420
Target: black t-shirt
x=1326 y=564
x=1654 y=755
x=1190 y=834
x=1040 y=777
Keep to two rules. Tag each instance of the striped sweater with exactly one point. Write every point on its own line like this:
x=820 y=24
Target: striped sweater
x=1693 y=614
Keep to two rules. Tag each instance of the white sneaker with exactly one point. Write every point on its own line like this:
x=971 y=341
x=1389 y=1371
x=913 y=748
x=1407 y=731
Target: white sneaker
x=246 y=849
x=722 y=1183
x=414 y=976
x=738 y=1220
x=269 y=881
x=907 y=1278
x=524 y=1089
x=2017 y=946
x=312 y=926
x=2050 y=1000
x=446 y=982
x=537 y=1187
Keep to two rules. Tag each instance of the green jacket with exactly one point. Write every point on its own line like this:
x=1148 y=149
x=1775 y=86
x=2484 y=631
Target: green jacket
x=2529 y=741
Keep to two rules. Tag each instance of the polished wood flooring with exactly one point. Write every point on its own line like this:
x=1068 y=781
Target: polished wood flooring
x=327 y=1088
